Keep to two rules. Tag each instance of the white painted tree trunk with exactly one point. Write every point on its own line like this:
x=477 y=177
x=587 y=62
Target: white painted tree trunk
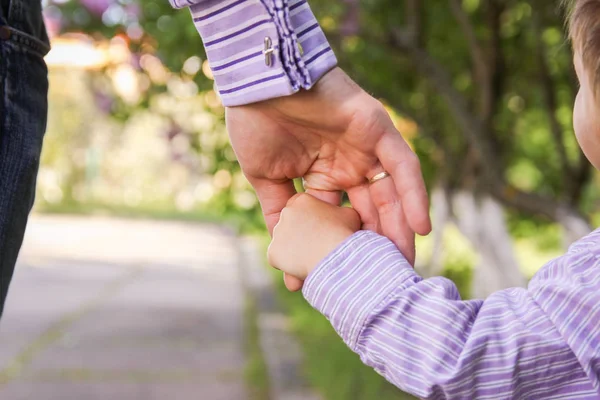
x=483 y=223
x=574 y=226
x=440 y=216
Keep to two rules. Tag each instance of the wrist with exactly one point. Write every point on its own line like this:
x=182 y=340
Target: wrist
x=260 y=50
x=325 y=246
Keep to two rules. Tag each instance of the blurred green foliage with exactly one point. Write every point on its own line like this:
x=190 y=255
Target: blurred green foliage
x=142 y=133
x=505 y=63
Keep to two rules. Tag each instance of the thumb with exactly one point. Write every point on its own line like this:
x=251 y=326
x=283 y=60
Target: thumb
x=292 y=283
x=273 y=197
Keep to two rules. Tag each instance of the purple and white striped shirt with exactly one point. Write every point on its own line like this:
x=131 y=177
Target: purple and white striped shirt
x=234 y=32
x=542 y=342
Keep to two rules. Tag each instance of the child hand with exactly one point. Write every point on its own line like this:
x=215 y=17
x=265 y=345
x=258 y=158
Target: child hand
x=308 y=230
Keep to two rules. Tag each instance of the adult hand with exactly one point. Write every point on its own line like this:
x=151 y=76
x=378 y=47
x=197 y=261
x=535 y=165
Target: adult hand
x=336 y=137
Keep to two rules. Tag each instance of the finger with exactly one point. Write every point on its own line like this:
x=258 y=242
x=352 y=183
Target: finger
x=292 y=283
x=360 y=198
x=404 y=167
x=392 y=217
x=293 y=199
x=411 y=251
x=273 y=197
x=331 y=197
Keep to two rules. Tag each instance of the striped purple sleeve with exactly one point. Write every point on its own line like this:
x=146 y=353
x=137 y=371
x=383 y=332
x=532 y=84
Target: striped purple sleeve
x=537 y=343
x=234 y=33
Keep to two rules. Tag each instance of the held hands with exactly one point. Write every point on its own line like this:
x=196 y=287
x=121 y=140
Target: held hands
x=336 y=136
x=308 y=230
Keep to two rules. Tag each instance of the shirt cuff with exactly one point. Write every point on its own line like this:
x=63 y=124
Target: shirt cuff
x=262 y=49
x=350 y=283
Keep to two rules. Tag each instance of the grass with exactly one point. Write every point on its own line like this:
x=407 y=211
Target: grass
x=256 y=374
x=330 y=366
x=239 y=222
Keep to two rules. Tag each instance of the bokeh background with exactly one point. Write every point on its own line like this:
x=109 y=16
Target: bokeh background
x=482 y=89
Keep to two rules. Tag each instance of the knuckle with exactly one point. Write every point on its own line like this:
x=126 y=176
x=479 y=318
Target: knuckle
x=406 y=159
x=296 y=198
x=277 y=227
x=271 y=254
x=387 y=205
x=284 y=215
x=415 y=162
x=413 y=158
x=303 y=198
x=410 y=162
x=408 y=166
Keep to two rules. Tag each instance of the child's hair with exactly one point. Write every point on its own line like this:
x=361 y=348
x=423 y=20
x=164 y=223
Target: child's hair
x=584 y=29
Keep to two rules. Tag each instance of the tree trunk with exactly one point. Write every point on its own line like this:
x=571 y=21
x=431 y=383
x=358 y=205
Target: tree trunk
x=574 y=225
x=440 y=217
x=483 y=224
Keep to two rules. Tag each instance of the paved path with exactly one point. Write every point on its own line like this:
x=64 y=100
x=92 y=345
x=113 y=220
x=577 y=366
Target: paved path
x=124 y=310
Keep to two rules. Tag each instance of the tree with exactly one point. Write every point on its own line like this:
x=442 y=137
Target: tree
x=491 y=86
x=489 y=83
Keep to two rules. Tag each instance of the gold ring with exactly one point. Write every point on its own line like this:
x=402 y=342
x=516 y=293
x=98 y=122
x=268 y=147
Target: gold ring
x=378 y=177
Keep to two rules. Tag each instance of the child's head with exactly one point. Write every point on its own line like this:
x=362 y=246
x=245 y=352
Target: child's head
x=585 y=34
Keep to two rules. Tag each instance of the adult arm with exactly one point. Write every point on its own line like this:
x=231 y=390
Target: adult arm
x=261 y=50
x=334 y=135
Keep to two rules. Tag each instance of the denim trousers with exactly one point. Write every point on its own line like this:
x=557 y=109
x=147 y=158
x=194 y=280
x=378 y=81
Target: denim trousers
x=23 y=114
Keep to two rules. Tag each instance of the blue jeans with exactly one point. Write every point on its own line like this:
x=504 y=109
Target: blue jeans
x=23 y=114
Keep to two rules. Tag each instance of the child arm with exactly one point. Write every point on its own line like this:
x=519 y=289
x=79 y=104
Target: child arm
x=540 y=342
